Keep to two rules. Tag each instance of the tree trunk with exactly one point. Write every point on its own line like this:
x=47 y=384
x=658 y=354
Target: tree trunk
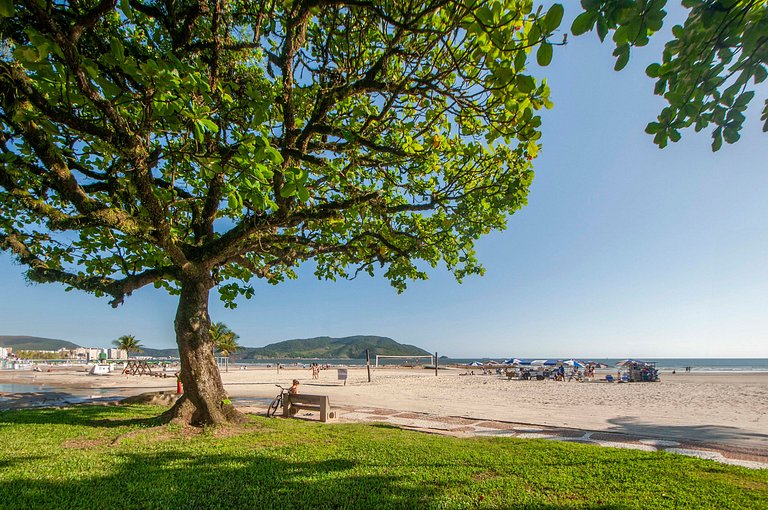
x=204 y=401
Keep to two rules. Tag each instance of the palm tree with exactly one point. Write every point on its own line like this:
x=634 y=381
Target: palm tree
x=224 y=339
x=128 y=343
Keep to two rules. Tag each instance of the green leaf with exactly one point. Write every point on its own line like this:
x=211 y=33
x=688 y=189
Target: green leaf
x=554 y=17
x=116 y=48
x=6 y=8
x=622 y=57
x=583 y=23
x=209 y=125
x=731 y=135
x=544 y=54
x=653 y=70
x=602 y=28
x=760 y=74
x=744 y=99
x=525 y=83
x=125 y=6
x=485 y=15
x=288 y=190
x=520 y=59
x=717 y=140
x=534 y=35
x=652 y=128
x=26 y=54
x=303 y=193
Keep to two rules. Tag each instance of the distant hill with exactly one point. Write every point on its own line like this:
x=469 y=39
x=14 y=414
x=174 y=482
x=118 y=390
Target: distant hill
x=35 y=343
x=352 y=347
x=158 y=353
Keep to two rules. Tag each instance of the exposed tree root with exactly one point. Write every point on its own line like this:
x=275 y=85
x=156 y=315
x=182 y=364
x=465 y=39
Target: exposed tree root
x=184 y=412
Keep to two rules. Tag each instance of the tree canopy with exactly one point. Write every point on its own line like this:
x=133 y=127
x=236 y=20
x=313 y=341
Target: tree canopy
x=709 y=70
x=245 y=137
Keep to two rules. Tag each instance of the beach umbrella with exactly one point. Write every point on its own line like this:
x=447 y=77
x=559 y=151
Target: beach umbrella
x=574 y=363
x=476 y=364
x=626 y=362
x=543 y=362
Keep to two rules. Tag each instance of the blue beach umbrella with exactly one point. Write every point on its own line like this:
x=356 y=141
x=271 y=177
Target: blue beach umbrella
x=476 y=364
x=544 y=362
x=574 y=363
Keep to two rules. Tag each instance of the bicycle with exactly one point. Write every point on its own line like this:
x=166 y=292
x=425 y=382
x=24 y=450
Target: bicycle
x=277 y=402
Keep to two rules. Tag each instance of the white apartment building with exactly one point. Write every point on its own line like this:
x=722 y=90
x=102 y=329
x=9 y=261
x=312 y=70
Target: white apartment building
x=117 y=353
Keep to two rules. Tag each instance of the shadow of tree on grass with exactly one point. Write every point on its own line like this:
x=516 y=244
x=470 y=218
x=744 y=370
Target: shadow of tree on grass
x=278 y=464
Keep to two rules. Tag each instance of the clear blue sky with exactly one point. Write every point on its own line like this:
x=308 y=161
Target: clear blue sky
x=623 y=250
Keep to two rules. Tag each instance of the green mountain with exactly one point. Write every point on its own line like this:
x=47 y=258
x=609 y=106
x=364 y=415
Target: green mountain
x=158 y=353
x=352 y=347
x=35 y=343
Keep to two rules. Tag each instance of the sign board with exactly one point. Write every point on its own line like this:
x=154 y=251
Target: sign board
x=343 y=375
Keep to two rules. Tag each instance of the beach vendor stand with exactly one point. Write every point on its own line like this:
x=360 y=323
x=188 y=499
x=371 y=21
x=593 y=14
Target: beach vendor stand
x=640 y=371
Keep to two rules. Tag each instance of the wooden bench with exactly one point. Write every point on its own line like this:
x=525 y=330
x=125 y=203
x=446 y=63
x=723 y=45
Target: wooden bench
x=293 y=403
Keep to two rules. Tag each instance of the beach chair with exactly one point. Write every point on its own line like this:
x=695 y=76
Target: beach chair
x=609 y=378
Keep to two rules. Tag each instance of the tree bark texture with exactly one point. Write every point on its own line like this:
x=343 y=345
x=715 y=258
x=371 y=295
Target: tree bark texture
x=204 y=401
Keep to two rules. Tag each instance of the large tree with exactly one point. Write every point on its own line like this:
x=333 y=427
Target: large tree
x=710 y=69
x=193 y=144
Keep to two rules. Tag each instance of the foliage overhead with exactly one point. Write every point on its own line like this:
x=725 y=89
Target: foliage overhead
x=709 y=70
x=155 y=142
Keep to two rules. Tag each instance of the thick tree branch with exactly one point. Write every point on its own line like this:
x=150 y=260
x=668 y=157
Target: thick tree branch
x=41 y=272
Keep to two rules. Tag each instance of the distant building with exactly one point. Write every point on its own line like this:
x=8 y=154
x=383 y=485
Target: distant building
x=4 y=352
x=85 y=353
x=117 y=354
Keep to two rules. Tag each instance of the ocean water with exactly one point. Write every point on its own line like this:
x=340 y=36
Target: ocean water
x=663 y=364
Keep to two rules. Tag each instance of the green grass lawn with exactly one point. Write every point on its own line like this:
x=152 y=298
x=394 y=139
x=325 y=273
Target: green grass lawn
x=97 y=457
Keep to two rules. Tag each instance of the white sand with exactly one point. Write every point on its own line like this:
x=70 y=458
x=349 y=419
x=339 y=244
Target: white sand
x=726 y=408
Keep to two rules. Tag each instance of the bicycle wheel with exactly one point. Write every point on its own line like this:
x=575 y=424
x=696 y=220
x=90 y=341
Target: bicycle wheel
x=274 y=406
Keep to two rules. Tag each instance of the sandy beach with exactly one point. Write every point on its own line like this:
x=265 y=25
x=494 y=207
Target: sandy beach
x=714 y=407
